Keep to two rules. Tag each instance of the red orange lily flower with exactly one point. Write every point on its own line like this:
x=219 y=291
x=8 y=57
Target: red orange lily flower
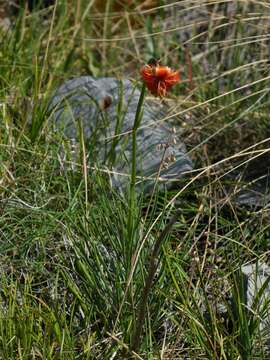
x=159 y=79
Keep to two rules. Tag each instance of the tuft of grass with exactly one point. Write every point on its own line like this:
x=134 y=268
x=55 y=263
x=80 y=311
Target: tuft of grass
x=74 y=285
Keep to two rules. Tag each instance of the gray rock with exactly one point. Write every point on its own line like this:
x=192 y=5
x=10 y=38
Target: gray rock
x=257 y=280
x=106 y=109
x=252 y=183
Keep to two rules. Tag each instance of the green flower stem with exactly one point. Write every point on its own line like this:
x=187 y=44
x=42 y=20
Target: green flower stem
x=132 y=194
x=152 y=269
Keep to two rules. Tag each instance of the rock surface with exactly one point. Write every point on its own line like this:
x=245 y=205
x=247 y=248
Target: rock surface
x=257 y=280
x=252 y=183
x=105 y=107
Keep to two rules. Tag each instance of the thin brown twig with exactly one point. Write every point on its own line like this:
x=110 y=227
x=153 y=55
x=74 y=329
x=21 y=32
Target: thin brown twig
x=189 y=66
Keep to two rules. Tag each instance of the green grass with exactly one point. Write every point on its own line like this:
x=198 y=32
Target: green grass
x=74 y=279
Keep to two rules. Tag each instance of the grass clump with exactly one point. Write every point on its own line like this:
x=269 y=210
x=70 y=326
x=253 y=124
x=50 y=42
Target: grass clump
x=72 y=277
